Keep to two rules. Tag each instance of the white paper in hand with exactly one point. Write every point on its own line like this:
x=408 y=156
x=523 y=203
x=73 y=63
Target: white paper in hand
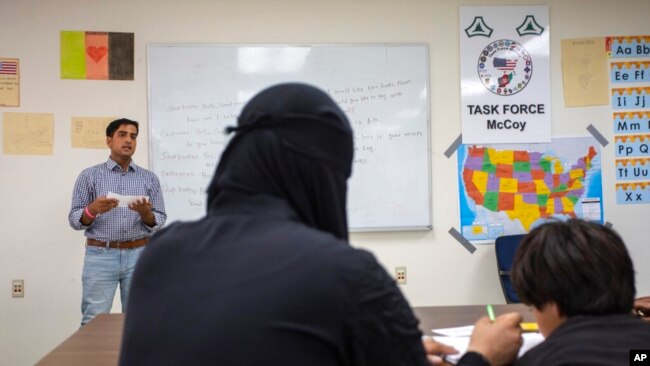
x=124 y=201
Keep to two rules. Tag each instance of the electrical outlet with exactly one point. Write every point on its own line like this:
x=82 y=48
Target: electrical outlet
x=400 y=275
x=18 y=288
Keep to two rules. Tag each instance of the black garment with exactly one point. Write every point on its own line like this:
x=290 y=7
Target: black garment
x=251 y=285
x=473 y=359
x=293 y=142
x=591 y=340
x=267 y=277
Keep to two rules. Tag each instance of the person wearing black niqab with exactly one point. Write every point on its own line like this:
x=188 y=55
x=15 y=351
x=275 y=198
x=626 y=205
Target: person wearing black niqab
x=293 y=143
x=267 y=277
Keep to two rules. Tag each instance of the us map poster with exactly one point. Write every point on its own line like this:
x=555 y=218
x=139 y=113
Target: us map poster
x=508 y=189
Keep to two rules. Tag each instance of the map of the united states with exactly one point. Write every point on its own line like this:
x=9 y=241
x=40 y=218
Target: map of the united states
x=525 y=185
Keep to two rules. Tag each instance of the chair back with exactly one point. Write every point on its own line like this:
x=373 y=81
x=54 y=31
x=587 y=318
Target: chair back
x=505 y=248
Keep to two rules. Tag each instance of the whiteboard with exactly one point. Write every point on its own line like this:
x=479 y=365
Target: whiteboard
x=196 y=90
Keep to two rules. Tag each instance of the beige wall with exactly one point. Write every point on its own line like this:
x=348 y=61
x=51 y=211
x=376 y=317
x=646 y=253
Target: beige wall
x=36 y=243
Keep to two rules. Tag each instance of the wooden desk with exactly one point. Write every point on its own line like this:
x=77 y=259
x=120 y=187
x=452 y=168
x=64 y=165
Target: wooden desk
x=455 y=316
x=98 y=343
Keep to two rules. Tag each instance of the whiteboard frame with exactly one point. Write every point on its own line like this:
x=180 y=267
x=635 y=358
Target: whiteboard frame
x=427 y=72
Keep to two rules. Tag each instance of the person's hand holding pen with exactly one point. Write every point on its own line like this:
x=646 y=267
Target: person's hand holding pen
x=498 y=339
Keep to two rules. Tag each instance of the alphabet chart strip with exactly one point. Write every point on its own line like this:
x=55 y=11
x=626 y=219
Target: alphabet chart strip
x=628 y=46
x=633 y=169
x=632 y=193
x=630 y=103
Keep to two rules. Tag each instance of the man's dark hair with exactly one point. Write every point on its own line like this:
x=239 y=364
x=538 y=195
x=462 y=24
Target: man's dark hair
x=582 y=267
x=113 y=126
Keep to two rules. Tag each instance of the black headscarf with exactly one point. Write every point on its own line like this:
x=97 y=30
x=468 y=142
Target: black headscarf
x=292 y=142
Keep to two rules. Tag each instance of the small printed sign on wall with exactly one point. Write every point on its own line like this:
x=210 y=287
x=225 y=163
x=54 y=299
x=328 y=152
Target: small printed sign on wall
x=505 y=74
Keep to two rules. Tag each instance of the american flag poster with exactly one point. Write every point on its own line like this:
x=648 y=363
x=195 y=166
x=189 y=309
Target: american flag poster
x=505 y=74
x=9 y=82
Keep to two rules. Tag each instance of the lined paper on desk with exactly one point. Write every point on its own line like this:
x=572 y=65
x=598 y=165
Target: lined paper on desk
x=461 y=342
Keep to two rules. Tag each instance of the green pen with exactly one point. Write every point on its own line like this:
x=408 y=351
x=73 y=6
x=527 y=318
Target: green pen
x=490 y=311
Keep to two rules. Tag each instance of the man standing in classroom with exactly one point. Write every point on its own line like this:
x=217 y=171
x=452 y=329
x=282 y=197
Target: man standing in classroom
x=119 y=205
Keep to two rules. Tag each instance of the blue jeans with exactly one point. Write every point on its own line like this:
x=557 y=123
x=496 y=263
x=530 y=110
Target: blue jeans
x=104 y=269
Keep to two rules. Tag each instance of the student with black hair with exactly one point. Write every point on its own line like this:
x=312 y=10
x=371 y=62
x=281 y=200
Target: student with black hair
x=579 y=279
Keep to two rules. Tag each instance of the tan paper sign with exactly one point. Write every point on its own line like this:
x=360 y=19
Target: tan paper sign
x=28 y=133
x=89 y=132
x=584 y=72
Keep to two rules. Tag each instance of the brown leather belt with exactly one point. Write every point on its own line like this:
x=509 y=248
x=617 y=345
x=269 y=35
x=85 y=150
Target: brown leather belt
x=118 y=244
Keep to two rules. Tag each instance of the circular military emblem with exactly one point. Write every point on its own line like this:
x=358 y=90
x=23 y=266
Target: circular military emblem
x=505 y=67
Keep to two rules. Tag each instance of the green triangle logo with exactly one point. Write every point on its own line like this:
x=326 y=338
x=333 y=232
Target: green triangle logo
x=478 y=28
x=530 y=27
